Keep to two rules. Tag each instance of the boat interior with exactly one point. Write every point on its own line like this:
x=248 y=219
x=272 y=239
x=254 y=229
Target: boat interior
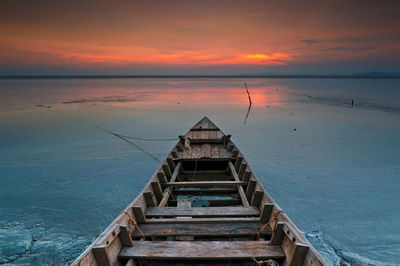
x=203 y=206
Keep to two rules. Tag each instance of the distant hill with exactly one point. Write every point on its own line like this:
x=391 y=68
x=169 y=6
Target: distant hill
x=377 y=74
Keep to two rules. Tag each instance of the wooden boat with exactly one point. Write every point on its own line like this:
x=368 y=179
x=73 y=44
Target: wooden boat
x=203 y=205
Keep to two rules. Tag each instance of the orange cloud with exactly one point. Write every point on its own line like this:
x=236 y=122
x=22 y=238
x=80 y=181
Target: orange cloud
x=180 y=58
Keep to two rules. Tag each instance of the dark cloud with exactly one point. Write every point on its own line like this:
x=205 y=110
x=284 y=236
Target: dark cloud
x=350 y=48
x=309 y=42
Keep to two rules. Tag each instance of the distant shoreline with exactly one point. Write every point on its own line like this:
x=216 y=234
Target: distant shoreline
x=198 y=76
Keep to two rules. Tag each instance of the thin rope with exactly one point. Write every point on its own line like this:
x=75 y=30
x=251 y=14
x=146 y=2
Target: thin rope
x=275 y=216
x=135 y=225
x=124 y=138
x=147 y=139
x=269 y=262
x=130 y=142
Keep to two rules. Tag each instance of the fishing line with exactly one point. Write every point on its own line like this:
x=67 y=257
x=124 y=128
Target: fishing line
x=124 y=138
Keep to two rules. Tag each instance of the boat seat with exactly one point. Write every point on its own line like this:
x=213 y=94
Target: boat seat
x=202 y=230
x=201 y=212
x=202 y=250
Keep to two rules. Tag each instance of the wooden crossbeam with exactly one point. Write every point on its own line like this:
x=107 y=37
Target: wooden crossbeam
x=240 y=188
x=202 y=250
x=177 y=220
x=202 y=211
x=204 y=183
x=168 y=190
x=214 y=203
x=202 y=229
x=205 y=191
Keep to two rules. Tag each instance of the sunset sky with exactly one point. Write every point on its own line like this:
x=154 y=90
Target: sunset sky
x=198 y=37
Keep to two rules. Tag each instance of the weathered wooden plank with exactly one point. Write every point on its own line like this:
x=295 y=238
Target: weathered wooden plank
x=167 y=171
x=257 y=197
x=214 y=153
x=235 y=153
x=100 y=254
x=206 y=151
x=157 y=190
x=206 y=141
x=205 y=191
x=238 y=163
x=214 y=203
x=171 y=164
x=196 y=151
x=220 y=220
x=266 y=212
x=162 y=178
x=124 y=236
x=205 y=229
x=108 y=237
x=187 y=153
x=204 y=183
x=204 y=123
x=213 y=134
x=299 y=255
x=242 y=169
x=148 y=197
x=230 y=147
x=205 y=177
x=222 y=152
x=278 y=235
x=189 y=135
x=205 y=134
x=138 y=213
x=107 y=255
x=205 y=129
x=240 y=188
x=250 y=189
x=202 y=211
x=246 y=176
x=205 y=172
x=168 y=190
x=220 y=134
x=202 y=250
x=196 y=135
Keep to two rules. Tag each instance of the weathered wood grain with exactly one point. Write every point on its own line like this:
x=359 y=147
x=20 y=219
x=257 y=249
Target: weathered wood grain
x=257 y=197
x=219 y=220
x=214 y=203
x=148 y=197
x=161 y=177
x=204 y=183
x=205 y=229
x=206 y=151
x=250 y=189
x=168 y=190
x=202 y=211
x=266 y=212
x=202 y=250
x=124 y=236
x=157 y=190
x=240 y=188
x=238 y=162
x=138 y=213
x=278 y=235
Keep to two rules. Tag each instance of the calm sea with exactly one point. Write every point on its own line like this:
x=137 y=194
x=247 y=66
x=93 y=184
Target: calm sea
x=333 y=167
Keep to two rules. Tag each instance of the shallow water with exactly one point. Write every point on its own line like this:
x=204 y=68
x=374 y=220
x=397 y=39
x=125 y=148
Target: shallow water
x=332 y=167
